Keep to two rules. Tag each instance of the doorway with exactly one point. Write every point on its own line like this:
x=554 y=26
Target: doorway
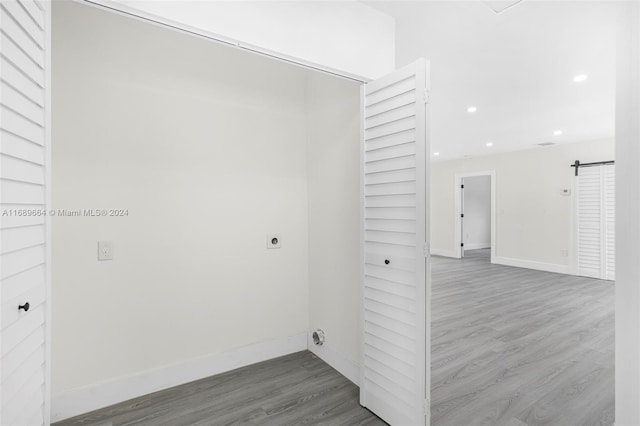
x=475 y=215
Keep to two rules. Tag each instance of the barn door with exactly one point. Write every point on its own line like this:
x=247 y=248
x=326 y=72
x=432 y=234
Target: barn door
x=595 y=221
x=395 y=365
x=24 y=204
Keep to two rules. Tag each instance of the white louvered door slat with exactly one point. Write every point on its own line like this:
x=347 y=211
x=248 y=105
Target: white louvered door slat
x=394 y=375
x=24 y=233
x=595 y=219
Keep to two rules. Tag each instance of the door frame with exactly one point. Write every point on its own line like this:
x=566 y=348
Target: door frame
x=457 y=220
x=122 y=8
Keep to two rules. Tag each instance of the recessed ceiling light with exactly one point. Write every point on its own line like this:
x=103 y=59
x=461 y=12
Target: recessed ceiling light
x=499 y=6
x=557 y=133
x=436 y=153
x=489 y=144
x=580 y=78
x=472 y=109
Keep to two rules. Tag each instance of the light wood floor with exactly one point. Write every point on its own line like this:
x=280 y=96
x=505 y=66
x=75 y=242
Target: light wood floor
x=510 y=347
x=518 y=347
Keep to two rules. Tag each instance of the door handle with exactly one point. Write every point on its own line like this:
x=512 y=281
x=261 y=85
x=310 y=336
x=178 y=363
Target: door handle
x=25 y=307
x=387 y=261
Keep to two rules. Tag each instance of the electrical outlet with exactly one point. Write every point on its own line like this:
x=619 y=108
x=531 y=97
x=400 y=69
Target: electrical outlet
x=274 y=241
x=105 y=250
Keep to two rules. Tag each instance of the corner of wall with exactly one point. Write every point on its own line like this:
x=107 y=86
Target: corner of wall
x=336 y=360
x=333 y=211
x=83 y=400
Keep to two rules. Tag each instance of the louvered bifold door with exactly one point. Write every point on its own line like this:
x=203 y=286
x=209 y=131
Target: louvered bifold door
x=24 y=25
x=394 y=381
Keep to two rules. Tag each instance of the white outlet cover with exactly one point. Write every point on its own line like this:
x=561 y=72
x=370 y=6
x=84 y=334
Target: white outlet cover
x=105 y=250
x=274 y=241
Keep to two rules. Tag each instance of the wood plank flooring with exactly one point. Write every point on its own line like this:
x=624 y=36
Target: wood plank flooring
x=297 y=389
x=518 y=347
x=510 y=347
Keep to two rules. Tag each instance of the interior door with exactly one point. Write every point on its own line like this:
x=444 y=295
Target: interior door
x=589 y=222
x=24 y=201
x=595 y=220
x=396 y=280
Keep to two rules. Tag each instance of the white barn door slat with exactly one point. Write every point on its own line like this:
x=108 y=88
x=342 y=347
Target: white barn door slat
x=395 y=344
x=24 y=202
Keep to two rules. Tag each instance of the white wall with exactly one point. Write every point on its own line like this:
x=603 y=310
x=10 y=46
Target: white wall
x=334 y=220
x=477 y=212
x=627 y=212
x=206 y=148
x=516 y=67
x=532 y=217
x=347 y=36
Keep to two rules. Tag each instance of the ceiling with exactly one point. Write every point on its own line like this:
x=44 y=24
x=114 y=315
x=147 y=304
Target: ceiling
x=517 y=67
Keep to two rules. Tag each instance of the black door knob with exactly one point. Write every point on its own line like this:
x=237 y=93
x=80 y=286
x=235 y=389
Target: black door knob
x=387 y=261
x=25 y=307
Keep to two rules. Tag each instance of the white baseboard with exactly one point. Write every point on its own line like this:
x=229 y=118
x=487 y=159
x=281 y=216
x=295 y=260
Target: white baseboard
x=444 y=253
x=476 y=246
x=344 y=366
x=531 y=264
x=93 y=397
